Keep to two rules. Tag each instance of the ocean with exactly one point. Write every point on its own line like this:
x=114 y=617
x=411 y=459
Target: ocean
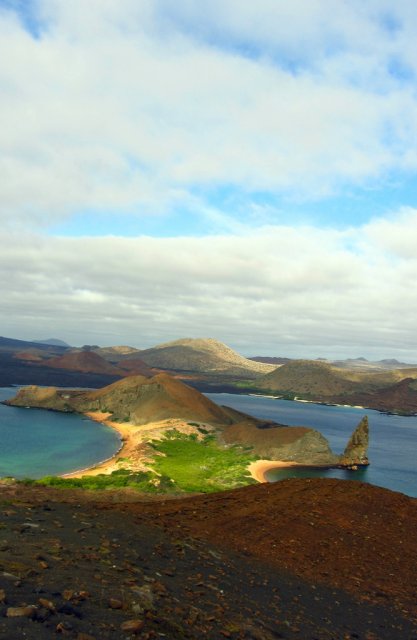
x=393 y=439
x=36 y=443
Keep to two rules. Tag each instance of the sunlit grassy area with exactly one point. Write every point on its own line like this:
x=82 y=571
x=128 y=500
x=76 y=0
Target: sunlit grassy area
x=201 y=465
x=182 y=463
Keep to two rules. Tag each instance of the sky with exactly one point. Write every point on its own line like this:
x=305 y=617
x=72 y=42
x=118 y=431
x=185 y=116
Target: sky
x=210 y=168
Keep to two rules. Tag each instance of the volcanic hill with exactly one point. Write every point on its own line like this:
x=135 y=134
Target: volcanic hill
x=393 y=390
x=84 y=361
x=23 y=362
x=309 y=377
x=88 y=361
x=134 y=399
x=203 y=355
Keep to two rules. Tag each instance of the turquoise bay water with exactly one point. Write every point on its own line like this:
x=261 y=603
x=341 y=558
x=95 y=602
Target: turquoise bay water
x=393 y=439
x=35 y=442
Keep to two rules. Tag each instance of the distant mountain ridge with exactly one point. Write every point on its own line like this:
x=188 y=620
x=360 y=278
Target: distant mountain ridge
x=54 y=342
x=92 y=362
x=271 y=360
x=13 y=344
x=209 y=365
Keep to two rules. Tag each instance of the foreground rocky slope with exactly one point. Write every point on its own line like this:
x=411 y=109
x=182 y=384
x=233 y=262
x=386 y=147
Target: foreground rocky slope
x=302 y=559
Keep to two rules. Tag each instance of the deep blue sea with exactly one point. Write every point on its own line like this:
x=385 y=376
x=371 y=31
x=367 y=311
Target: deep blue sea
x=393 y=439
x=36 y=443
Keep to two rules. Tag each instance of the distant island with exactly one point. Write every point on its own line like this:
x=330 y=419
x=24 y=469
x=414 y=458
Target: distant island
x=151 y=412
x=384 y=388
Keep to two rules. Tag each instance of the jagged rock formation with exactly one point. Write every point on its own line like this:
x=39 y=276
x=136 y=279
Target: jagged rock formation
x=356 y=452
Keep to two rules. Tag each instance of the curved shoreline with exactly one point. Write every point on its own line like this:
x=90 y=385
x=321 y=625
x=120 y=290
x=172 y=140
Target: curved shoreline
x=259 y=468
x=109 y=464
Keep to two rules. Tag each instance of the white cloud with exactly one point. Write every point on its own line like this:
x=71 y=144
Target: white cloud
x=149 y=107
x=282 y=290
x=128 y=106
x=396 y=235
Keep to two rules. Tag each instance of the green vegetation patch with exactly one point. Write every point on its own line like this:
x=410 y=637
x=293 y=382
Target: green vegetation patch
x=182 y=463
x=146 y=481
x=201 y=465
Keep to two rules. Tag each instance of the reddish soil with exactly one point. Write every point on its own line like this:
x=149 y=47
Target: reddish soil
x=347 y=534
x=84 y=361
x=307 y=559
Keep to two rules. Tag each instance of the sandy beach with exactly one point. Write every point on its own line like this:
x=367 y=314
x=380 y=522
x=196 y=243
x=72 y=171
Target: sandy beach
x=259 y=468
